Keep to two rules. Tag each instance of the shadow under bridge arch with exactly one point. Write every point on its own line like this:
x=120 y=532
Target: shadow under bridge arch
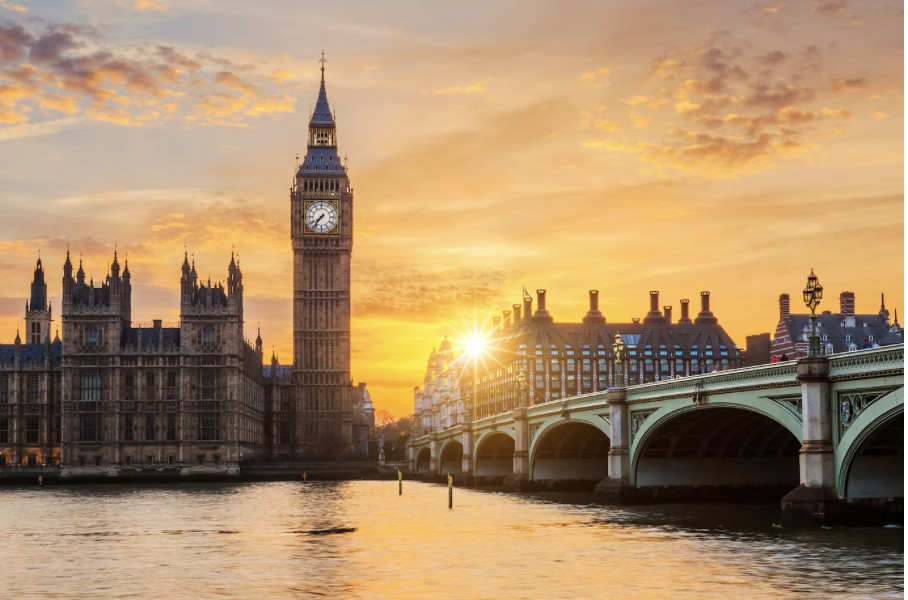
x=423 y=458
x=570 y=450
x=451 y=460
x=495 y=455
x=877 y=468
x=719 y=447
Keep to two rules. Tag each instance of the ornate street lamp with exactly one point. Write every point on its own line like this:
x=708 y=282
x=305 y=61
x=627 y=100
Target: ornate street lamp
x=523 y=398
x=813 y=293
x=618 y=348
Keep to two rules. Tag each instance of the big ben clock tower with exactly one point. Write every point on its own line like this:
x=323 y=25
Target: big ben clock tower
x=321 y=231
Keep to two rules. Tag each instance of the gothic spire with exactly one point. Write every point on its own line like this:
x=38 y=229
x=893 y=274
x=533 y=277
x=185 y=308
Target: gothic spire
x=322 y=113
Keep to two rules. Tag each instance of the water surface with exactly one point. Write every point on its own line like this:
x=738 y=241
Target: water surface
x=257 y=540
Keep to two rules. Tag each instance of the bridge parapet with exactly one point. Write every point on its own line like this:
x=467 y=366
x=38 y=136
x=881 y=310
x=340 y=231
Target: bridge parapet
x=868 y=363
x=747 y=377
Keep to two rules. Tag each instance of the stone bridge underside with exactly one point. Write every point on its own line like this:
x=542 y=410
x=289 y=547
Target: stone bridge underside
x=878 y=468
x=718 y=446
x=571 y=450
x=495 y=455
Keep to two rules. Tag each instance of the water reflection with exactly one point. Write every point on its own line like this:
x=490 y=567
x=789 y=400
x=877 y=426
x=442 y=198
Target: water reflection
x=254 y=541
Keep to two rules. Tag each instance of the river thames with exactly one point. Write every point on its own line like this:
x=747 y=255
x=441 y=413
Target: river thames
x=267 y=540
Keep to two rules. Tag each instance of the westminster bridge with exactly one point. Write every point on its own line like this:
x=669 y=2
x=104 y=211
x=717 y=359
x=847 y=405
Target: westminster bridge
x=827 y=430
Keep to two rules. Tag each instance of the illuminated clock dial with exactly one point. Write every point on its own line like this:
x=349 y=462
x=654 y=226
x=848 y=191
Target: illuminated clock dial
x=321 y=217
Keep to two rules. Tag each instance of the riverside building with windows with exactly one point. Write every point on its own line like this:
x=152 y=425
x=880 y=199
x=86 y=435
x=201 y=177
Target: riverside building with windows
x=559 y=360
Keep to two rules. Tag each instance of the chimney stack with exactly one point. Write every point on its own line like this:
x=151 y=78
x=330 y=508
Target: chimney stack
x=705 y=315
x=653 y=316
x=540 y=301
x=516 y=308
x=527 y=307
x=594 y=316
x=541 y=313
x=668 y=313
x=846 y=303
x=784 y=306
x=496 y=323
x=685 y=311
x=507 y=318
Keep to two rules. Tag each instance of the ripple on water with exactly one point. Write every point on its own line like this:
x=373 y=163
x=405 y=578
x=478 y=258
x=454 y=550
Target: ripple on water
x=256 y=541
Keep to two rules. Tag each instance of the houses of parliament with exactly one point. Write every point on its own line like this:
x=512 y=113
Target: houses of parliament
x=106 y=397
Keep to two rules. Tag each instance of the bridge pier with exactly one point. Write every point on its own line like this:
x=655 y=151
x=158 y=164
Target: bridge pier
x=814 y=502
x=466 y=465
x=616 y=488
x=433 y=452
x=520 y=478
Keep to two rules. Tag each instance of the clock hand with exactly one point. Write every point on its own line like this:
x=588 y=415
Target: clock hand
x=320 y=218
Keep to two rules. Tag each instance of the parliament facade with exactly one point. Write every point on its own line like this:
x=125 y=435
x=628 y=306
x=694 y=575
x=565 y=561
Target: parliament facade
x=110 y=397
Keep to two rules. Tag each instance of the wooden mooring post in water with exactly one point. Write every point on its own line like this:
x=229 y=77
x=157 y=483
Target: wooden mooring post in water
x=400 y=483
x=450 y=491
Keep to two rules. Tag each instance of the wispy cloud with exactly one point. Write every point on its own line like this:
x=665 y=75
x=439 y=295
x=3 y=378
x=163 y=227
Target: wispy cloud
x=476 y=88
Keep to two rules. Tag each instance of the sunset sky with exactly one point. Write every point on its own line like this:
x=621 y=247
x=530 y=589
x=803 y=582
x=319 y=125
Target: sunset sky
x=624 y=146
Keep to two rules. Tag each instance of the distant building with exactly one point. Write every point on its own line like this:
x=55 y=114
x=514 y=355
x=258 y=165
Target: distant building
x=756 y=349
x=567 y=359
x=363 y=420
x=30 y=387
x=842 y=332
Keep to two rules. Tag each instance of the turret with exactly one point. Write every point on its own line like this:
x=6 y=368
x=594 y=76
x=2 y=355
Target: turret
x=883 y=312
x=37 y=309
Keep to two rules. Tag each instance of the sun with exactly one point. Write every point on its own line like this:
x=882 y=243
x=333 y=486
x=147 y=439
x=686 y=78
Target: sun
x=475 y=345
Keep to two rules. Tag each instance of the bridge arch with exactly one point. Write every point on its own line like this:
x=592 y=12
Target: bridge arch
x=871 y=452
x=423 y=458
x=570 y=449
x=720 y=444
x=495 y=454
x=451 y=458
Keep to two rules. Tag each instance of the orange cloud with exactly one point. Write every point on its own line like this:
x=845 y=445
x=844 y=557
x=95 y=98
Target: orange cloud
x=10 y=6
x=145 y=5
x=476 y=88
x=59 y=103
x=118 y=84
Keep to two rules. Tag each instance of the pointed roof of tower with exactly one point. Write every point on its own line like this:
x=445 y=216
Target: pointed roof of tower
x=322 y=113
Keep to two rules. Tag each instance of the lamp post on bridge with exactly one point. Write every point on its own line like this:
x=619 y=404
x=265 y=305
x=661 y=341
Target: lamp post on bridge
x=618 y=348
x=813 y=293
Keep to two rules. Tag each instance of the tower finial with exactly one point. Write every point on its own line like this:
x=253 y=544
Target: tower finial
x=323 y=61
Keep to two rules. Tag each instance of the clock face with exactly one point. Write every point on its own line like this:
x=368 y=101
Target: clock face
x=321 y=217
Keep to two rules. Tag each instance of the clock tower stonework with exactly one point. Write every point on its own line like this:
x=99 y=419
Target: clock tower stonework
x=321 y=232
